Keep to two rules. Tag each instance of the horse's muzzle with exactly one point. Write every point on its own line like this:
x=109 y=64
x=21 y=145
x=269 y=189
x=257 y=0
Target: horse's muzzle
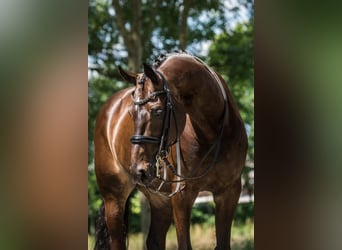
x=143 y=173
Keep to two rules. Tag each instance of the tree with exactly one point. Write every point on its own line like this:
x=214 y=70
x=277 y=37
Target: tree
x=128 y=31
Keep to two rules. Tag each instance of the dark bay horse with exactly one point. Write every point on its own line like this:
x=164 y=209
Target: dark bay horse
x=176 y=132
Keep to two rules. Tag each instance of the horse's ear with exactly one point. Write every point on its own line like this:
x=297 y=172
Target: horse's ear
x=150 y=73
x=128 y=76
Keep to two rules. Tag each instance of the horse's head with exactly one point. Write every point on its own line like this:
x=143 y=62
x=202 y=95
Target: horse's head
x=157 y=122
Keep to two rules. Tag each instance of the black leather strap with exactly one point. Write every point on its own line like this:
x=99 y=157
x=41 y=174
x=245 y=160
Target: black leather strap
x=138 y=139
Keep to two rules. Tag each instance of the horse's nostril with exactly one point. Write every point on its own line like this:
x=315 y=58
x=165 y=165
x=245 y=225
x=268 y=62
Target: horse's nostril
x=141 y=172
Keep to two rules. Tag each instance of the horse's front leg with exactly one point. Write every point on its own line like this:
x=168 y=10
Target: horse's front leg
x=225 y=205
x=182 y=204
x=116 y=224
x=161 y=217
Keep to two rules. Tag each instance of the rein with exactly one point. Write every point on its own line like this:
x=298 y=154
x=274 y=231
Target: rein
x=162 y=155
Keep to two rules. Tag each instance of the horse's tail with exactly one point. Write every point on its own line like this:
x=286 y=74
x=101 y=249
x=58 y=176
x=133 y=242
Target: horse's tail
x=102 y=234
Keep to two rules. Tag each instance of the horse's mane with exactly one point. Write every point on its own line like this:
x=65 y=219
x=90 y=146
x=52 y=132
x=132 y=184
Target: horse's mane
x=162 y=57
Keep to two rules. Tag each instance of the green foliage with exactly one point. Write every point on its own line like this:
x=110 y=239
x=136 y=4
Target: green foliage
x=205 y=19
x=203 y=213
x=134 y=213
x=244 y=212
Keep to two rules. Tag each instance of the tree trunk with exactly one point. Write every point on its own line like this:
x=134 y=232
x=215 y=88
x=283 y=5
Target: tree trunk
x=134 y=46
x=134 y=58
x=184 y=24
x=132 y=37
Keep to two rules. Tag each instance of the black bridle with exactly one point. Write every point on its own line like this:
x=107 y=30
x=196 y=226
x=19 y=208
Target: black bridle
x=162 y=140
x=162 y=155
x=161 y=158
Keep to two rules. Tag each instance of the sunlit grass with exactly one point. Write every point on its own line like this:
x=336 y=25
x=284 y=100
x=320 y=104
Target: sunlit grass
x=202 y=238
x=91 y=242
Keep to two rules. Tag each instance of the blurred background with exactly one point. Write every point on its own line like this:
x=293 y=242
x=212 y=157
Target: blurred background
x=128 y=33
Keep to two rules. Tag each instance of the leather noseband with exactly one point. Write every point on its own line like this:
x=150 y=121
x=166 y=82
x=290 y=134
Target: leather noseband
x=138 y=139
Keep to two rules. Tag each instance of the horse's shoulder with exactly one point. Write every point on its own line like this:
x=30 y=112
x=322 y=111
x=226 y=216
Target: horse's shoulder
x=116 y=102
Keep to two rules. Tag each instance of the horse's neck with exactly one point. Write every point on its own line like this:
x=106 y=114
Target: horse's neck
x=206 y=110
x=199 y=92
x=207 y=124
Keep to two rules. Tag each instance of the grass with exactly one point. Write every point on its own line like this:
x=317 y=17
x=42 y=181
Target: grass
x=202 y=238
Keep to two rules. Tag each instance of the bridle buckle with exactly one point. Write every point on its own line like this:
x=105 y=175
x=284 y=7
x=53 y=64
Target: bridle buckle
x=161 y=156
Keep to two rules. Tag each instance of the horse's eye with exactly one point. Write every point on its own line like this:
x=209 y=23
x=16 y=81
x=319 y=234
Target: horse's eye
x=157 y=113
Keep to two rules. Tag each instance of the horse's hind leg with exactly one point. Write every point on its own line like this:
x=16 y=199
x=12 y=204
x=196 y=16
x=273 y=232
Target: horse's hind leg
x=160 y=222
x=225 y=205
